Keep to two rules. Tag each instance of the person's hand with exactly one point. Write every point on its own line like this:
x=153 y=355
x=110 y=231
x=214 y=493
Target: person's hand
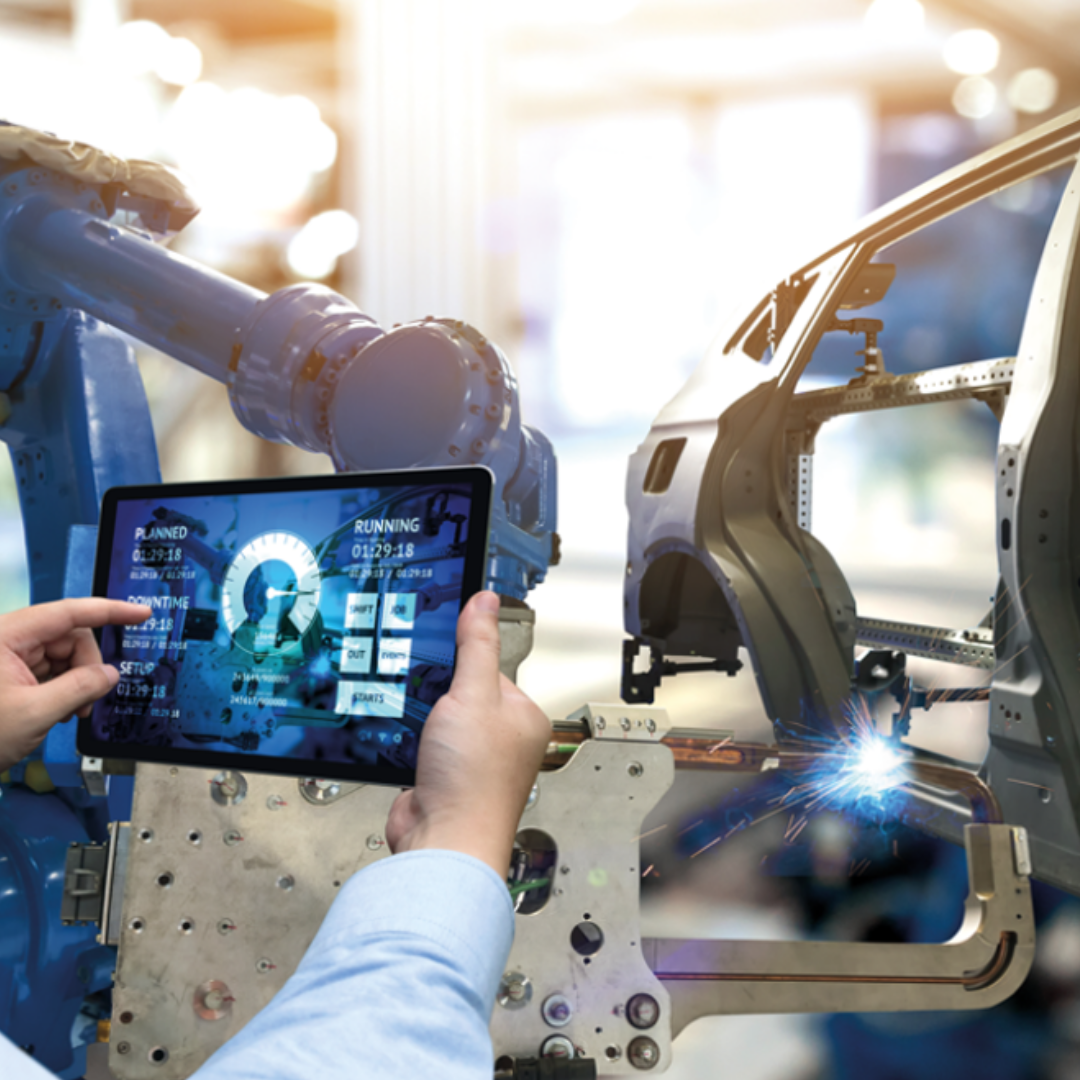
x=479 y=754
x=51 y=669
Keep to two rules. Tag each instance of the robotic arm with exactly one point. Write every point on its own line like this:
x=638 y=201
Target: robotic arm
x=302 y=366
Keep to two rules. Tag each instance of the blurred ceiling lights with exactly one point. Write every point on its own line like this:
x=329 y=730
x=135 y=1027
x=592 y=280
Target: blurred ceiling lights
x=314 y=251
x=247 y=149
x=1034 y=90
x=144 y=48
x=904 y=17
x=570 y=11
x=975 y=97
x=972 y=52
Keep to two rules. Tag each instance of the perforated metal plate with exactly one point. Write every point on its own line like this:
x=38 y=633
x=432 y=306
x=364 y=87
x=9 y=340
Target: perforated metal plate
x=223 y=896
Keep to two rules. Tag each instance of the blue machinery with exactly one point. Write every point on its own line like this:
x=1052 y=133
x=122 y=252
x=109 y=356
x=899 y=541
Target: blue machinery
x=302 y=366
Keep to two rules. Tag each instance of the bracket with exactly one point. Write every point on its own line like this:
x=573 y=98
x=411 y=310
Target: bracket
x=640 y=686
x=981 y=966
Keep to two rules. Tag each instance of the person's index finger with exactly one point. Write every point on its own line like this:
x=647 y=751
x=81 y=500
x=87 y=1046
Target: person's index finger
x=85 y=649
x=478 y=644
x=47 y=622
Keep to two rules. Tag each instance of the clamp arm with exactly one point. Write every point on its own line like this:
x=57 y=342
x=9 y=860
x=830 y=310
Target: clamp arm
x=982 y=965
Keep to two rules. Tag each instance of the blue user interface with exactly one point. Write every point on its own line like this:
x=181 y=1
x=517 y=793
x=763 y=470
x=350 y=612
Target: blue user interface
x=291 y=624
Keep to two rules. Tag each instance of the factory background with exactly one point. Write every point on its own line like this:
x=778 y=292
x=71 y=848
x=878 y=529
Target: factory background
x=598 y=185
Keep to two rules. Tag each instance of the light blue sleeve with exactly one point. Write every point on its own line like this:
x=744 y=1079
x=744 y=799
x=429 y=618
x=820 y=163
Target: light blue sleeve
x=17 y=1065
x=399 y=981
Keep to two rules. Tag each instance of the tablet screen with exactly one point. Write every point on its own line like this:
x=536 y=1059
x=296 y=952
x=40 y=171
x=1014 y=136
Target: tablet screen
x=299 y=626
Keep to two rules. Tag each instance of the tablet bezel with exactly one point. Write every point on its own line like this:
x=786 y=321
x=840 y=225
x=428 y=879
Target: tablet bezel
x=474 y=575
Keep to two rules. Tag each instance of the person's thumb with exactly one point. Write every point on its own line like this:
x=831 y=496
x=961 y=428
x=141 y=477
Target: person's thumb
x=60 y=698
x=477 y=668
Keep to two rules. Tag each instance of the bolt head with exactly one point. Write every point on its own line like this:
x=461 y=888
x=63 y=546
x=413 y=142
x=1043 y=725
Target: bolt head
x=557 y=1010
x=515 y=990
x=643 y=1010
x=557 y=1046
x=643 y=1053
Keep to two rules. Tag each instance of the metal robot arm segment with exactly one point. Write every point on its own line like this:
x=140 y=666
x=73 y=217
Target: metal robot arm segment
x=302 y=366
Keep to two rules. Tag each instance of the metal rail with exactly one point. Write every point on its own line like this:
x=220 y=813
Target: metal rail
x=972 y=648
x=988 y=380
x=703 y=749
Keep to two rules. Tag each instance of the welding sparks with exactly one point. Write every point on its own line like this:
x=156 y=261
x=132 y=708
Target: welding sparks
x=856 y=772
x=876 y=764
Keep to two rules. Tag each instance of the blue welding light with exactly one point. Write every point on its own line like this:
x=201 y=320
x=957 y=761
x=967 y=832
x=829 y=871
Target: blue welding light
x=875 y=766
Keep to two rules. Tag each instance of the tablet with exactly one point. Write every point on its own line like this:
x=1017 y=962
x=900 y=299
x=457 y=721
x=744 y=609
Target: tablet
x=303 y=626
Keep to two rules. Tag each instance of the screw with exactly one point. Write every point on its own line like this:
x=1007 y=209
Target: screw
x=263 y=966
x=557 y=1010
x=228 y=788
x=601 y=723
x=515 y=990
x=564 y=869
x=624 y=723
x=635 y=769
x=650 y=724
x=225 y=926
x=643 y=1053
x=557 y=1046
x=232 y=838
x=643 y=1010
x=320 y=792
x=212 y=1000
x=275 y=802
x=123 y=1048
x=375 y=843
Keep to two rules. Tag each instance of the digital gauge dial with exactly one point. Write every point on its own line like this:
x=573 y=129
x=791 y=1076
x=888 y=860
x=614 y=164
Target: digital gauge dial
x=270 y=594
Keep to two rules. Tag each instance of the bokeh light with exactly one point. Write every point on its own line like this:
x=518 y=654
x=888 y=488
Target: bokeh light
x=975 y=97
x=1033 y=90
x=246 y=148
x=903 y=17
x=142 y=47
x=314 y=251
x=972 y=52
x=571 y=11
x=180 y=62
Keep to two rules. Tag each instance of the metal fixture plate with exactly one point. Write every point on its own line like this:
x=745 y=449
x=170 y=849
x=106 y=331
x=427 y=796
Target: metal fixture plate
x=624 y=723
x=233 y=894
x=250 y=907
x=593 y=808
